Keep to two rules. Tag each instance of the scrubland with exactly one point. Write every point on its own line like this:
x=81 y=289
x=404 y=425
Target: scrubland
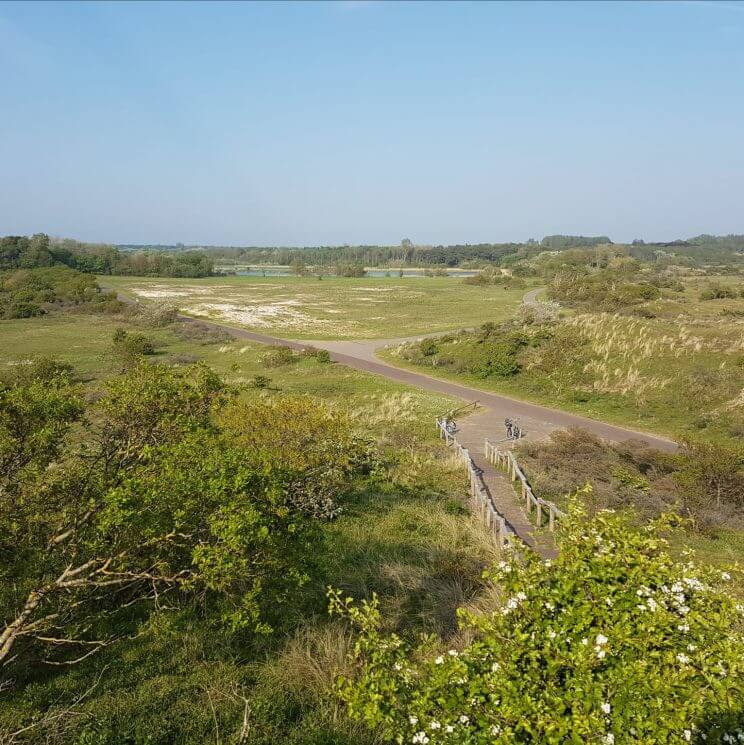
x=182 y=676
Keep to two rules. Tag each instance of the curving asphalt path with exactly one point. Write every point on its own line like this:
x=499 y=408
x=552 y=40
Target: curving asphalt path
x=537 y=420
x=540 y=419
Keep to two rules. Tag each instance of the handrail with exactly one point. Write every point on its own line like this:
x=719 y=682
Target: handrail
x=534 y=505
x=480 y=498
x=459 y=410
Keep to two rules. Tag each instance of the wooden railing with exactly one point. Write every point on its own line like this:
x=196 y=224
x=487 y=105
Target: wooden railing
x=539 y=510
x=479 y=496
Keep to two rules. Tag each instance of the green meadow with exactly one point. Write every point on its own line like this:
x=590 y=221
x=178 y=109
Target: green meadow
x=331 y=308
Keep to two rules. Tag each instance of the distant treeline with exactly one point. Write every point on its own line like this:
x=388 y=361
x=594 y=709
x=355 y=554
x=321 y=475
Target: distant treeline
x=37 y=251
x=199 y=261
x=704 y=249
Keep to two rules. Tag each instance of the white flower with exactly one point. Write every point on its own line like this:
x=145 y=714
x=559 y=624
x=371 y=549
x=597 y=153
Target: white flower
x=601 y=653
x=420 y=737
x=413 y=720
x=725 y=576
x=549 y=605
x=463 y=719
x=495 y=729
x=495 y=667
x=398 y=666
x=608 y=602
x=609 y=739
x=453 y=653
x=683 y=627
x=691 y=647
x=683 y=659
x=435 y=725
x=687 y=734
x=449 y=728
x=585 y=642
x=641 y=608
x=606 y=708
x=552 y=634
x=439 y=660
x=601 y=639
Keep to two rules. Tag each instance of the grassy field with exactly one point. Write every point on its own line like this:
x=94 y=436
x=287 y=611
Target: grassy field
x=334 y=308
x=85 y=342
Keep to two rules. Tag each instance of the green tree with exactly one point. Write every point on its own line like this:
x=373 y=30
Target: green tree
x=151 y=499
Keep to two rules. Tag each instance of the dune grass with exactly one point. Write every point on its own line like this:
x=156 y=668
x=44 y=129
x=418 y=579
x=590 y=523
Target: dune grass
x=677 y=376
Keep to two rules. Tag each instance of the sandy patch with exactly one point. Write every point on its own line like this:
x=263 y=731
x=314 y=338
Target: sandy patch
x=270 y=315
x=378 y=289
x=161 y=293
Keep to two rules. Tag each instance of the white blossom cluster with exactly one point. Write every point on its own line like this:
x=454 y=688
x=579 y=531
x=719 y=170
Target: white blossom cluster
x=424 y=735
x=513 y=603
x=675 y=598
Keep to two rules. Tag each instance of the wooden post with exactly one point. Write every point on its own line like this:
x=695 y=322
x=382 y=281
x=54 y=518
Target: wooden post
x=551 y=519
x=539 y=513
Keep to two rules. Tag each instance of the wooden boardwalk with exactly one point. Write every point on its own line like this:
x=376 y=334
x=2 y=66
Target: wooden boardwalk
x=472 y=432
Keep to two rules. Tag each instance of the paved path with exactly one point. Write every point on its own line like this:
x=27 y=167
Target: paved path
x=537 y=421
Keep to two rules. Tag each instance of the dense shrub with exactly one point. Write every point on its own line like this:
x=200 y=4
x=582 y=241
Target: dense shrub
x=711 y=479
x=615 y=642
x=494 y=277
x=193 y=331
x=719 y=292
x=156 y=501
x=260 y=381
x=497 y=359
x=492 y=352
x=279 y=356
x=428 y=347
x=129 y=346
x=31 y=292
x=607 y=290
x=319 y=355
x=316 y=448
x=622 y=475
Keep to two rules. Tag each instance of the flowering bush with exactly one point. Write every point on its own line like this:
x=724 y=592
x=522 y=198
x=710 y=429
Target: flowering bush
x=614 y=642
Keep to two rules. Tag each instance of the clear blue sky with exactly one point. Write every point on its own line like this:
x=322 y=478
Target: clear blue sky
x=365 y=122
